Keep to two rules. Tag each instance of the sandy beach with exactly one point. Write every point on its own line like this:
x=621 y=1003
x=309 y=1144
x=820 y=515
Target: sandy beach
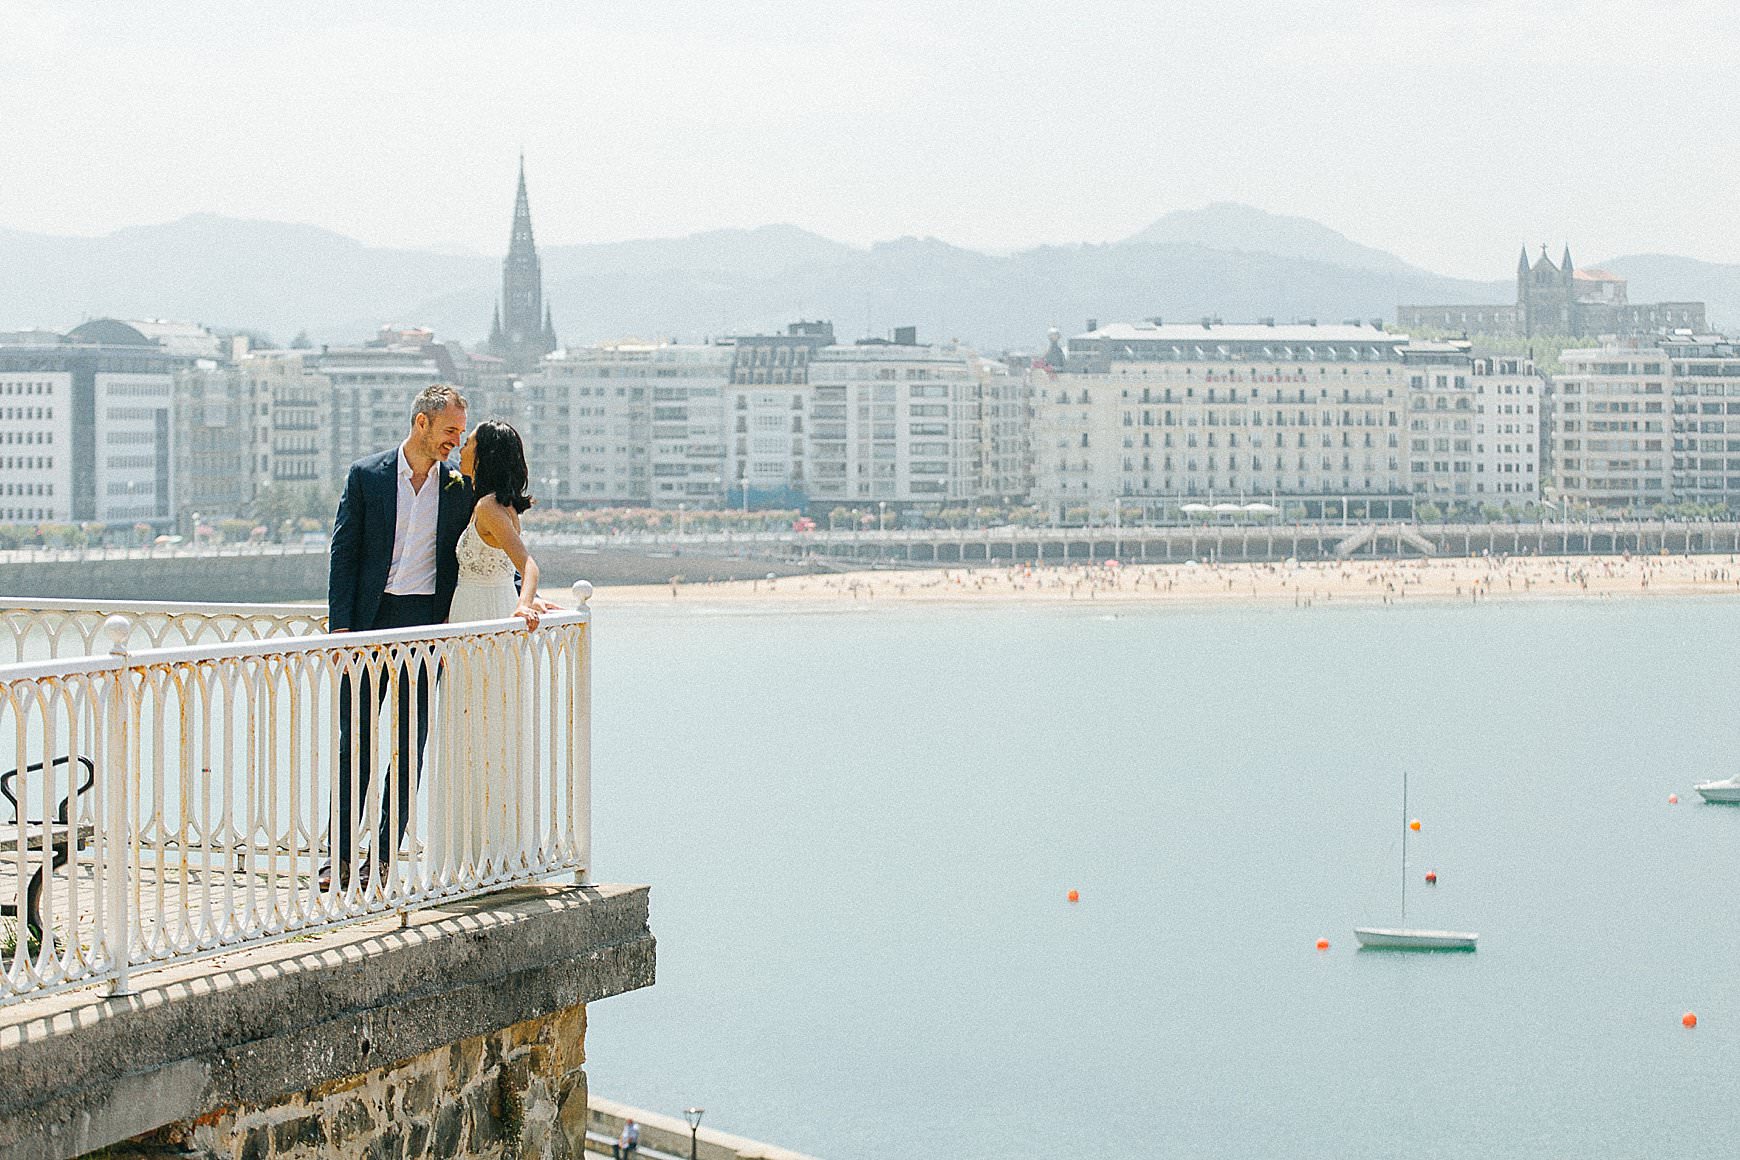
x=1300 y=585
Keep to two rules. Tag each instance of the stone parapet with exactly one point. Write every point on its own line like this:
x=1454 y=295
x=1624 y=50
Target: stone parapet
x=459 y=1035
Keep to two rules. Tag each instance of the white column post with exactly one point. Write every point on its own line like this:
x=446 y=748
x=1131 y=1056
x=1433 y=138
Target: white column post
x=580 y=743
x=115 y=839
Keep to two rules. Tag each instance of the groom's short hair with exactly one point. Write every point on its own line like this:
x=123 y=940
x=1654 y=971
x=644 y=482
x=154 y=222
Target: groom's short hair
x=436 y=398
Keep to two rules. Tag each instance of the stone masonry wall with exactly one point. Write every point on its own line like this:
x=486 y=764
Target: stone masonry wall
x=514 y=1094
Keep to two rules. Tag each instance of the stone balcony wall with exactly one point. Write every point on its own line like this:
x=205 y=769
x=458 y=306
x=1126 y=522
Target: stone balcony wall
x=460 y=1035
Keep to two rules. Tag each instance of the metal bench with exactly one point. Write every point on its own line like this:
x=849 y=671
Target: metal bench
x=60 y=835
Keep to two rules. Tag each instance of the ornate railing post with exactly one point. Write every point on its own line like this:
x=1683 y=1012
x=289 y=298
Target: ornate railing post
x=114 y=833
x=580 y=743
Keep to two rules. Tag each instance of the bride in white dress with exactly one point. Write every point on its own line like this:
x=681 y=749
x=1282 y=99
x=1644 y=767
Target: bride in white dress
x=490 y=805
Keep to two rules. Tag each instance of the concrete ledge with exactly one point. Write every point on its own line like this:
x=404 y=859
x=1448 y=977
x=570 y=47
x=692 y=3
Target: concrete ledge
x=78 y=1071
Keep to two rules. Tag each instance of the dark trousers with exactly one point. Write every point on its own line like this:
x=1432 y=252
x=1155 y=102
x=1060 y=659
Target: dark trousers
x=370 y=691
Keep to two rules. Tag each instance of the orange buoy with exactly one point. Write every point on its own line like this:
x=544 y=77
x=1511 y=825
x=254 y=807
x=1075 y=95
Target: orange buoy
x=1322 y=944
x=1075 y=896
x=1688 y=1020
x=1431 y=878
x=1414 y=825
x=1673 y=799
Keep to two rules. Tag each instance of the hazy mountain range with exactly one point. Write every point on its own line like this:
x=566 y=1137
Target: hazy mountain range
x=1225 y=259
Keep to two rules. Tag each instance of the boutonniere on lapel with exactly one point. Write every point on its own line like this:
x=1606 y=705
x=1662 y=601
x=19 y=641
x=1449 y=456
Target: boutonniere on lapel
x=454 y=479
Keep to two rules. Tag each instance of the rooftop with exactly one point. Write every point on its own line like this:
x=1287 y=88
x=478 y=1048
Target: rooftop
x=1196 y=332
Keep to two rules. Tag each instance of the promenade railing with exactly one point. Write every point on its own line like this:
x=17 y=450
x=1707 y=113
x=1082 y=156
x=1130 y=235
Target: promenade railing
x=174 y=802
x=35 y=628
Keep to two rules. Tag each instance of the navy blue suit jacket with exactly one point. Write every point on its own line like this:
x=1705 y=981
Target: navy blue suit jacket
x=362 y=539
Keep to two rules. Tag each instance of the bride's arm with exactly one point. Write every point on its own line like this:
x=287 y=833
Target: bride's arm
x=503 y=526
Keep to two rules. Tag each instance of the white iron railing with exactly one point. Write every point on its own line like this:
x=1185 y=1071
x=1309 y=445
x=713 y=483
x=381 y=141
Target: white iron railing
x=177 y=802
x=43 y=629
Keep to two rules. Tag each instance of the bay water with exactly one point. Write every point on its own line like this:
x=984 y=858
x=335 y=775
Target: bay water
x=861 y=828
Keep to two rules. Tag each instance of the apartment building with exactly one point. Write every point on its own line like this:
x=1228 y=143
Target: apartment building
x=1153 y=415
x=688 y=424
x=1006 y=452
x=1474 y=425
x=87 y=433
x=1706 y=418
x=1613 y=426
x=629 y=423
x=766 y=408
x=895 y=422
x=372 y=391
x=261 y=421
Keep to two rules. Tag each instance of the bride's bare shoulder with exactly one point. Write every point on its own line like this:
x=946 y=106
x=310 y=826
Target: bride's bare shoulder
x=494 y=518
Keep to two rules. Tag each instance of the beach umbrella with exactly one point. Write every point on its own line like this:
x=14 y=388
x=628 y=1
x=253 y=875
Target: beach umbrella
x=1195 y=507
x=1228 y=507
x=1261 y=507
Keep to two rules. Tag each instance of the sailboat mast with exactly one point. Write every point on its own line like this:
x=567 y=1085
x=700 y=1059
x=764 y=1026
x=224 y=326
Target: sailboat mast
x=1404 y=847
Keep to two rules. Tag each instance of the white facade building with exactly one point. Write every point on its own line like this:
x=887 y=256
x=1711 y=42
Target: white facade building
x=895 y=422
x=88 y=431
x=766 y=412
x=264 y=421
x=35 y=445
x=629 y=423
x=372 y=391
x=1706 y=418
x=765 y=441
x=1152 y=416
x=1647 y=421
x=1611 y=441
x=1474 y=426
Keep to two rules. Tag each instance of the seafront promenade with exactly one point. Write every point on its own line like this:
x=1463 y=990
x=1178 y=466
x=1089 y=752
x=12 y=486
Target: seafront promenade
x=253 y=572
x=1233 y=539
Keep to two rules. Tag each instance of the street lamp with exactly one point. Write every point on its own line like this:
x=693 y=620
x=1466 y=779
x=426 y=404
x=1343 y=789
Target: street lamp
x=743 y=482
x=682 y=510
x=693 y=1115
x=882 y=515
x=554 y=482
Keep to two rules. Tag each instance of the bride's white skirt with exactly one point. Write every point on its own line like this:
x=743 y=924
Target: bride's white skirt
x=481 y=814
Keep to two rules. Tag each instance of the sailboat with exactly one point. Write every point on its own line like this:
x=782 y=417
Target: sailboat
x=1726 y=792
x=1405 y=938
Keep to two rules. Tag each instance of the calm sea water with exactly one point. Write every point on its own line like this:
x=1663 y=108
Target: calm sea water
x=861 y=828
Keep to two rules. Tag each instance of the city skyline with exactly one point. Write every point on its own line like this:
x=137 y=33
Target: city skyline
x=884 y=123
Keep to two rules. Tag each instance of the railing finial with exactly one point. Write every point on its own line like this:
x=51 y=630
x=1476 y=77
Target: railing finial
x=119 y=630
x=582 y=592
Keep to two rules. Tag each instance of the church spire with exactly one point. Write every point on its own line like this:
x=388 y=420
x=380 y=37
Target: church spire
x=522 y=335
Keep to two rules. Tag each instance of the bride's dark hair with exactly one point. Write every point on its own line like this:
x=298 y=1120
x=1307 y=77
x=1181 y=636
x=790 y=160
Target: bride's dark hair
x=499 y=465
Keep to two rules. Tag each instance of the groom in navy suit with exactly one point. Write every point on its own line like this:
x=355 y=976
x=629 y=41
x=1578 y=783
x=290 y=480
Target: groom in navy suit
x=394 y=565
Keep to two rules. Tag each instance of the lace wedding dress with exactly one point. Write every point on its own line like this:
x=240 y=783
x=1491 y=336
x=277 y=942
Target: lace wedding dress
x=483 y=722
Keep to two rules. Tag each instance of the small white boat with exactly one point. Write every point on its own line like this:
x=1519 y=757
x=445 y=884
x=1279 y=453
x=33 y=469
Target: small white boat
x=1726 y=791
x=1415 y=940
x=1404 y=938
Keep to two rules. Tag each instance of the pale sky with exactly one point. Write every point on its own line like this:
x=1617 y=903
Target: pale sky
x=1446 y=131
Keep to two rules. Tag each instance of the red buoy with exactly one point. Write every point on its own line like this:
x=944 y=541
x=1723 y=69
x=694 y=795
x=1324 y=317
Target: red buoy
x=1673 y=799
x=1431 y=878
x=1322 y=944
x=1688 y=1020
x=1075 y=896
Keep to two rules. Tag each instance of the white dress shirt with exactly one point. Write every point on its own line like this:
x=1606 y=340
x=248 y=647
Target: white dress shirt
x=412 y=572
